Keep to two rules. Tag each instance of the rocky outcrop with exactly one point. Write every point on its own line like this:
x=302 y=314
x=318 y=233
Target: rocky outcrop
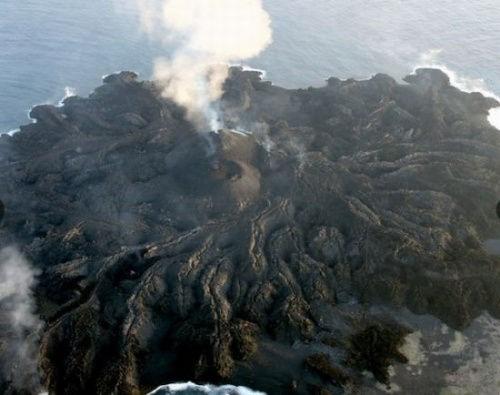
x=251 y=258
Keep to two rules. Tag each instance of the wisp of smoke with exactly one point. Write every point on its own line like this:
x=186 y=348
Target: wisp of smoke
x=211 y=34
x=18 y=353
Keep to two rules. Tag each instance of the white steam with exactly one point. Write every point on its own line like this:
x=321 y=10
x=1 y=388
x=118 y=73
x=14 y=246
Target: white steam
x=430 y=59
x=18 y=343
x=210 y=34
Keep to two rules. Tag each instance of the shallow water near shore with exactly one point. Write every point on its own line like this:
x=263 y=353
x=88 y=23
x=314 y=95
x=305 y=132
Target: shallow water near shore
x=51 y=45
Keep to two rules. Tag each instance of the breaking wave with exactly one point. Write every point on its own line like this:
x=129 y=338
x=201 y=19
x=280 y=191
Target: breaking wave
x=194 y=389
x=68 y=92
x=430 y=59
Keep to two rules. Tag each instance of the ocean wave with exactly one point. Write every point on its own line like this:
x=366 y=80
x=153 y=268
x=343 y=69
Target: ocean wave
x=430 y=60
x=244 y=67
x=104 y=76
x=11 y=132
x=194 y=389
x=68 y=92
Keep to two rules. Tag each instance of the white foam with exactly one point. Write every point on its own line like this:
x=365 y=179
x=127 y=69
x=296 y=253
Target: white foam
x=204 y=389
x=28 y=113
x=117 y=72
x=244 y=67
x=68 y=92
x=430 y=60
x=494 y=117
x=11 y=132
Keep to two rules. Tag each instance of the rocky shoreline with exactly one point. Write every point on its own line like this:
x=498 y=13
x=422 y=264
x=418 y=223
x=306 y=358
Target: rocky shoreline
x=256 y=258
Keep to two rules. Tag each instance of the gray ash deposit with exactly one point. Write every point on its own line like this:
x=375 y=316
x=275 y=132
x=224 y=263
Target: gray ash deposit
x=253 y=259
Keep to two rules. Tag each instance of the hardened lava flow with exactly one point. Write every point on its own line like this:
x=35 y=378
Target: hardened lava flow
x=254 y=259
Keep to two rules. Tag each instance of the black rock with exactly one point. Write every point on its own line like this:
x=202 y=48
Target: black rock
x=169 y=254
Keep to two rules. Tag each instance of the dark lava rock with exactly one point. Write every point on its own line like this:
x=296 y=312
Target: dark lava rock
x=375 y=348
x=168 y=254
x=322 y=365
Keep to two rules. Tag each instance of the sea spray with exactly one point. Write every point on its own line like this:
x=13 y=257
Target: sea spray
x=430 y=60
x=68 y=92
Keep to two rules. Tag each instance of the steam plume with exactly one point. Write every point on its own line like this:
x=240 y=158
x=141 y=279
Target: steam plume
x=211 y=34
x=18 y=343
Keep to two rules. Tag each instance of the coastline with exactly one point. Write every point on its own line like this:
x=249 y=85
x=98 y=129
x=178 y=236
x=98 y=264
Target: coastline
x=463 y=83
x=388 y=179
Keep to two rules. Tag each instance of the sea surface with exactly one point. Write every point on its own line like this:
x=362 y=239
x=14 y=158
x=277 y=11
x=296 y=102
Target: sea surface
x=49 y=46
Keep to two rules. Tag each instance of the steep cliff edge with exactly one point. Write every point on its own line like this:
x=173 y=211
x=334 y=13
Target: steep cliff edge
x=252 y=258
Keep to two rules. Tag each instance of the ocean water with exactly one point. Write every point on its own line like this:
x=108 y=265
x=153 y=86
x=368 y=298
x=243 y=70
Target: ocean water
x=49 y=45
